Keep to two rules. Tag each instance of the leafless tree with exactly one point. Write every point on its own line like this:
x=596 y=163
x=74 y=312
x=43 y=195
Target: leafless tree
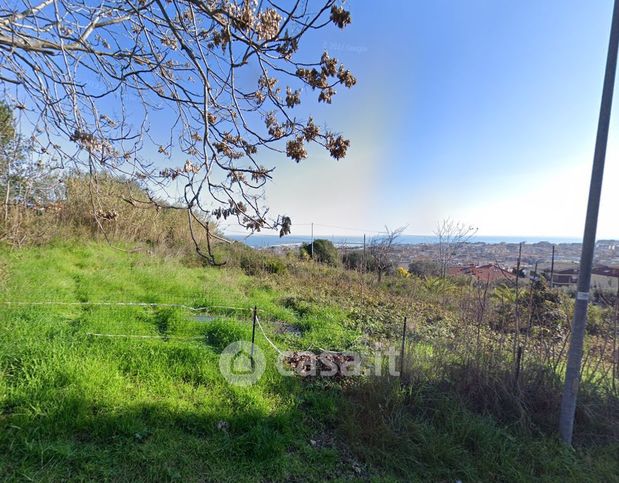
x=193 y=97
x=381 y=251
x=452 y=236
x=27 y=185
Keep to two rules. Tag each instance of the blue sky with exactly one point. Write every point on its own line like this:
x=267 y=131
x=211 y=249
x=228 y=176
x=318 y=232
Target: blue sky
x=481 y=111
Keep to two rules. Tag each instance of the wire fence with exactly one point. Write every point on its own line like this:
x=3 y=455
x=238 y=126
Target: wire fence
x=266 y=336
x=133 y=336
x=128 y=304
x=465 y=341
x=212 y=310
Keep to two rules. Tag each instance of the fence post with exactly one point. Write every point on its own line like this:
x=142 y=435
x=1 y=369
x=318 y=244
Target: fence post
x=253 y=335
x=516 y=308
x=517 y=369
x=402 y=349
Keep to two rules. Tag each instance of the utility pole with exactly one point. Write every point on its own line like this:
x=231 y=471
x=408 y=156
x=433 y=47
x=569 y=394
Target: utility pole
x=253 y=335
x=312 y=243
x=363 y=260
x=574 y=356
x=552 y=267
x=516 y=311
x=363 y=265
x=402 y=350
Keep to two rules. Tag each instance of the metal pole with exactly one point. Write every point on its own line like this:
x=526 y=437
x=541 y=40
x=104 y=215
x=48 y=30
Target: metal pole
x=363 y=261
x=552 y=267
x=517 y=371
x=574 y=357
x=402 y=349
x=516 y=308
x=363 y=265
x=531 y=289
x=253 y=335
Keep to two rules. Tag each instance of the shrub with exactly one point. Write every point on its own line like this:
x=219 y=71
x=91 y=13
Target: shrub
x=424 y=268
x=257 y=263
x=403 y=273
x=323 y=251
x=353 y=260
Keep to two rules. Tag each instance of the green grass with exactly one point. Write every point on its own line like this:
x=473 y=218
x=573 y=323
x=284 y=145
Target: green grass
x=76 y=406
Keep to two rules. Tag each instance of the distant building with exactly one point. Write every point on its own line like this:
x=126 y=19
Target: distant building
x=562 y=278
x=602 y=277
x=483 y=273
x=605 y=278
x=607 y=245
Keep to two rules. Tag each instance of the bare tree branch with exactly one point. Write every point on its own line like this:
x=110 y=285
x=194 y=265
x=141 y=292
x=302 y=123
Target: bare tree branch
x=452 y=236
x=381 y=249
x=191 y=93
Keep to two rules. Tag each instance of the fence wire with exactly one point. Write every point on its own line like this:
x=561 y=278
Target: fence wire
x=195 y=309
x=126 y=304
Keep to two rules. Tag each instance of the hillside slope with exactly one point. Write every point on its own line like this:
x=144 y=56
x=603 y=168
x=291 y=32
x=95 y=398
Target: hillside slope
x=81 y=400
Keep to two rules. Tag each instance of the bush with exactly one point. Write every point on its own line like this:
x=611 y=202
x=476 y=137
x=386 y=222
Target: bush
x=424 y=268
x=353 y=260
x=323 y=251
x=261 y=263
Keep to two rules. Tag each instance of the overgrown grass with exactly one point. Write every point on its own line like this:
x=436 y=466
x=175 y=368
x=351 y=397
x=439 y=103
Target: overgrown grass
x=79 y=406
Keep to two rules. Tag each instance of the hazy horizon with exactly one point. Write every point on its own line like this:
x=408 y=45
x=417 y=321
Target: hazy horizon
x=265 y=239
x=321 y=231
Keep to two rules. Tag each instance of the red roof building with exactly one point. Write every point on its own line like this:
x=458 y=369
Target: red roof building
x=483 y=273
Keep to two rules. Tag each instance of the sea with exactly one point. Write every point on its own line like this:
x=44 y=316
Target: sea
x=258 y=240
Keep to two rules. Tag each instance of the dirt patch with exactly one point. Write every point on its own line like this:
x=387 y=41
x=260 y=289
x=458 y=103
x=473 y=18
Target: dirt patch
x=329 y=364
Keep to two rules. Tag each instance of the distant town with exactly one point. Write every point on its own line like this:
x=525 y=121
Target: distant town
x=497 y=262
x=506 y=254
